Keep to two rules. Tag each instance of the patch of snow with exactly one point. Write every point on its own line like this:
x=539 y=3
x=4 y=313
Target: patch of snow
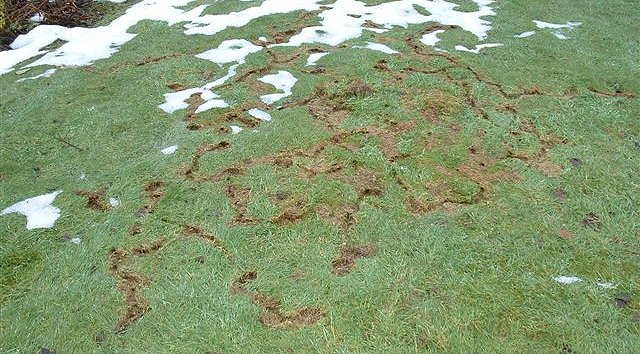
x=82 y=176
x=214 y=102
x=169 y=150
x=212 y=24
x=542 y=25
x=478 y=47
x=337 y=26
x=525 y=34
x=563 y=279
x=233 y=50
x=607 y=285
x=44 y=74
x=262 y=39
x=114 y=202
x=83 y=46
x=559 y=35
x=557 y=28
x=314 y=57
x=431 y=38
x=229 y=51
x=75 y=240
x=38 y=210
x=377 y=47
x=235 y=129
x=260 y=114
x=39 y=17
x=283 y=81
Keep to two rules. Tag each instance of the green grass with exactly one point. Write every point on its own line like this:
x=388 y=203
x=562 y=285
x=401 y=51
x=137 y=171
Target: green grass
x=473 y=273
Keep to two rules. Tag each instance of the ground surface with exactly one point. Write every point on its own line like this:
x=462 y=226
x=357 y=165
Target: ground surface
x=428 y=200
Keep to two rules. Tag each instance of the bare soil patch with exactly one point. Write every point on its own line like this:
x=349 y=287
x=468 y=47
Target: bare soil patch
x=95 y=199
x=346 y=261
x=272 y=315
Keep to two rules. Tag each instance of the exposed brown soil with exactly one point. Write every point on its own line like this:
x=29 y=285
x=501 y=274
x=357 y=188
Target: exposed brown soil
x=365 y=181
x=196 y=231
x=176 y=86
x=272 y=315
x=131 y=283
x=389 y=137
x=358 y=88
x=226 y=174
x=298 y=275
x=547 y=167
x=239 y=198
x=592 y=221
x=560 y=194
x=565 y=234
x=153 y=191
x=305 y=19
x=346 y=261
x=293 y=212
x=477 y=169
x=616 y=93
x=95 y=199
x=343 y=216
x=191 y=170
x=135 y=229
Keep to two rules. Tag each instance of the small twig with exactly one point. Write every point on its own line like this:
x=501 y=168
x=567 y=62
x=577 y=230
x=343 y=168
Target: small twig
x=68 y=143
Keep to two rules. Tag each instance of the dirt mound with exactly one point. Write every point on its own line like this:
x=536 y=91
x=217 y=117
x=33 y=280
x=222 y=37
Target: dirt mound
x=153 y=191
x=95 y=199
x=272 y=315
x=131 y=283
x=239 y=198
x=346 y=261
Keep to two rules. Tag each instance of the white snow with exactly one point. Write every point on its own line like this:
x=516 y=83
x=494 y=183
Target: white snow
x=229 y=51
x=233 y=50
x=431 y=38
x=169 y=150
x=337 y=26
x=212 y=24
x=478 y=47
x=38 y=210
x=39 y=17
x=557 y=28
x=114 y=202
x=47 y=73
x=282 y=81
x=83 y=46
x=563 y=279
x=314 y=57
x=525 y=34
x=260 y=114
x=214 y=102
x=236 y=129
x=378 y=47
x=541 y=24
x=82 y=176
x=75 y=240
x=607 y=285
